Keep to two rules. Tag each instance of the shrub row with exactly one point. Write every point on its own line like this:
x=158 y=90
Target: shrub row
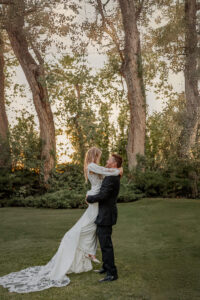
x=67 y=188
x=63 y=199
x=59 y=199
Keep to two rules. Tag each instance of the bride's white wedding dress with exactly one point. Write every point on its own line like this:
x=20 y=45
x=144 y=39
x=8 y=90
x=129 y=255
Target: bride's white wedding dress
x=70 y=257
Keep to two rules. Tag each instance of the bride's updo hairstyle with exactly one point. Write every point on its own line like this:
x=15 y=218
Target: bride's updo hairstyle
x=92 y=155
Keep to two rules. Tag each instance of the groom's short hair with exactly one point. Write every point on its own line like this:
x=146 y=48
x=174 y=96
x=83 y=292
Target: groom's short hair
x=118 y=159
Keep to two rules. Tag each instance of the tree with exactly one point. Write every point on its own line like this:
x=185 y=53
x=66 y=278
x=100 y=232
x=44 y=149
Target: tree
x=163 y=131
x=85 y=103
x=191 y=122
x=25 y=144
x=104 y=131
x=118 y=21
x=4 y=131
x=73 y=86
x=122 y=132
x=111 y=89
x=35 y=75
x=176 y=37
x=132 y=69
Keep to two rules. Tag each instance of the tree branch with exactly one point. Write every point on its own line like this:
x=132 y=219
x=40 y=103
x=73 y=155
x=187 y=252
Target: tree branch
x=8 y=2
x=109 y=28
x=30 y=11
x=198 y=6
x=2 y=26
x=37 y=54
x=139 y=10
x=104 y=5
x=10 y=59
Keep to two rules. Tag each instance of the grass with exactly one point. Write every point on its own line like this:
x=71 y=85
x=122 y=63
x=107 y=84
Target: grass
x=157 y=250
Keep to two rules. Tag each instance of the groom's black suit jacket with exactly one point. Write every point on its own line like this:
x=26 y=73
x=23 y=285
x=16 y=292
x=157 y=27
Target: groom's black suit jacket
x=107 y=198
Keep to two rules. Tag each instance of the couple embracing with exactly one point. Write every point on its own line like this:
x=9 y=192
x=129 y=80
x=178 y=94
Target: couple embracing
x=78 y=246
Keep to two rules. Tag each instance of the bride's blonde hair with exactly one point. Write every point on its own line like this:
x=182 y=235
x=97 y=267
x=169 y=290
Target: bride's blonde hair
x=92 y=155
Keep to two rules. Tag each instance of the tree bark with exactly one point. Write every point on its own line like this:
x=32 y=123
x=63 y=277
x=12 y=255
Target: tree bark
x=192 y=110
x=35 y=76
x=4 y=131
x=80 y=135
x=132 y=70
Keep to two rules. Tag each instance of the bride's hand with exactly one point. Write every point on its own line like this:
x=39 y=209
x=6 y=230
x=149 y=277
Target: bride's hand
x=121 y=171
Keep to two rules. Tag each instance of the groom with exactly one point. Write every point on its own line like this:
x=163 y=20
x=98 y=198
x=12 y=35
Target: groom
x=107 y=198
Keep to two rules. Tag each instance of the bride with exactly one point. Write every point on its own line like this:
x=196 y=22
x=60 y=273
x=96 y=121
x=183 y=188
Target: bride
x=78 y=246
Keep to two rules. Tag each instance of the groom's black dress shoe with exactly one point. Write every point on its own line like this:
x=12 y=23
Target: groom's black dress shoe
x=101 y=271
x=108 y=278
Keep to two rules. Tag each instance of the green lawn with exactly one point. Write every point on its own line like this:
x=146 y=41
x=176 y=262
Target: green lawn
x=157 y=250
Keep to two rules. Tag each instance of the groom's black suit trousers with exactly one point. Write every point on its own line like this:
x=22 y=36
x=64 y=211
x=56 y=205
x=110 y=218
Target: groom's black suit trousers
x=105 y=241
x=107 y=216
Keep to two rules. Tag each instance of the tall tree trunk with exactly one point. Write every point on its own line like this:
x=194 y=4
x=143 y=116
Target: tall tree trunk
x=81 y=140
x=35 y=76
x=4 y=142
x=192 y=109
x=132 y=70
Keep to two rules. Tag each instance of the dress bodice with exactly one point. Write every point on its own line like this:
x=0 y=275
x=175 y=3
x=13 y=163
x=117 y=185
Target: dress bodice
x=96 y=175
x=95 y=181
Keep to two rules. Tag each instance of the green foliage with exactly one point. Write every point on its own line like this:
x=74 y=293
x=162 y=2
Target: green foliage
x=5 y=160
x=73 y=86
x=128 y=191
x=121 y=137
x=85 y=103
x=162 y=132
x=20 y=183
x=22 y=177
x=60 y=199
x=179 y=178
x=104 y=131
x=25 y=144
x=167 y=37
x=68 y=176
x=66 y=189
